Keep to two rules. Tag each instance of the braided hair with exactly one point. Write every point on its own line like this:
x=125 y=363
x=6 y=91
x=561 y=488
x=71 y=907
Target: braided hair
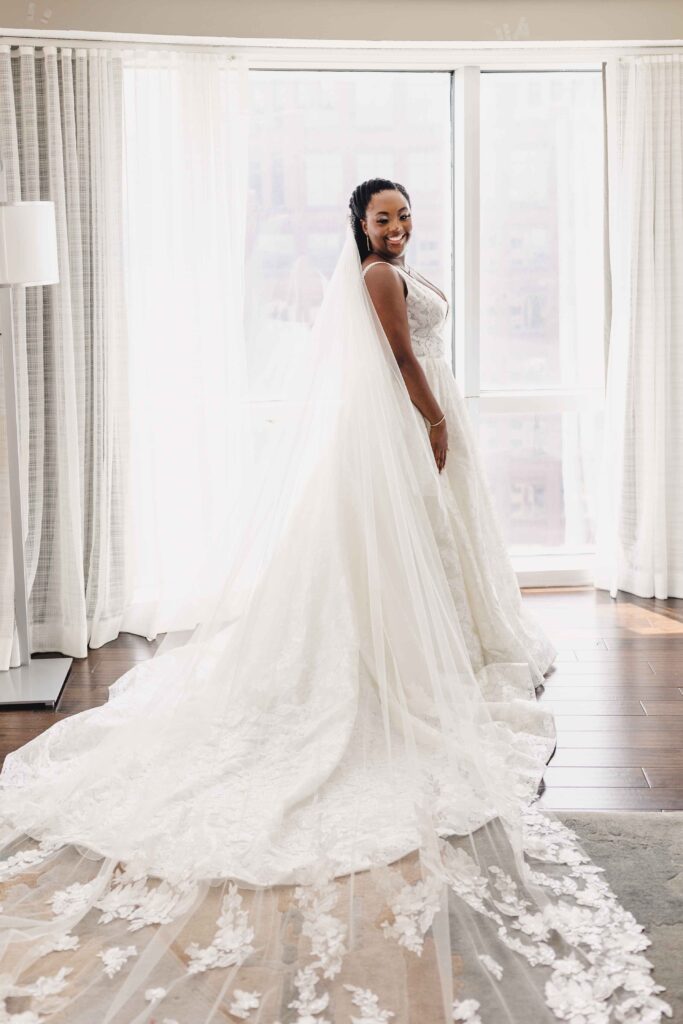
x=358 y=205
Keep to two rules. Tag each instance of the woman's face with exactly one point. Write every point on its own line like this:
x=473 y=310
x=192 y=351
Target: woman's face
x=388 y=222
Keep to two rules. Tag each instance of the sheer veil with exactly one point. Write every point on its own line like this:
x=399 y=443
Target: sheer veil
x=308 y=809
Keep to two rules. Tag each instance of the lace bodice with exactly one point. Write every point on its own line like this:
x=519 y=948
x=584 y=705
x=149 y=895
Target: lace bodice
x=427 y=315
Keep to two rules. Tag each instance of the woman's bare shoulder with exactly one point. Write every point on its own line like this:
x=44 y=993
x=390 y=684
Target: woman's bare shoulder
x=370 y=261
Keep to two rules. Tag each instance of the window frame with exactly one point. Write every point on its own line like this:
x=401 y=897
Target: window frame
x=466 y=61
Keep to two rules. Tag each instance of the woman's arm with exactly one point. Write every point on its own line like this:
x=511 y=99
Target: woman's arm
x=386 y=292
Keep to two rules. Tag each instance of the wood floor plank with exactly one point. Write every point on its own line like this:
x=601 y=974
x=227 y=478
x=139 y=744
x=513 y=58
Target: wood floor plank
x=74 y=705
x=623 y=691
x=667 y=670
x=563 y=656
x=617 y=757
x=19 y=727
x=563 y=635
x=658 y=644
x=119 y=657
x=664 y=707
x=633 y=669
x=609 y=708
x=610 y=657
x=107 y=673
x=127 y=640
x=621 y=738
x=665 y=778
x=601 y=777
x=618 y=723
x=581 y=643
x=611 y=799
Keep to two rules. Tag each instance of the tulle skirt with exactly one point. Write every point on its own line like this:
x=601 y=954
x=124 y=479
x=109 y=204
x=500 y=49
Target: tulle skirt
x=319 y=807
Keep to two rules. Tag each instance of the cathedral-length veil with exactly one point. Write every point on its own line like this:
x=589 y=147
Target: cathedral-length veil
x=308 y=811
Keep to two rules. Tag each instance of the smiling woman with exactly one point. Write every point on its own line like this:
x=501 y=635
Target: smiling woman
x=313 y=135
x=316 y=803
x=414 y=317
x=380 y=213
x=379 y=225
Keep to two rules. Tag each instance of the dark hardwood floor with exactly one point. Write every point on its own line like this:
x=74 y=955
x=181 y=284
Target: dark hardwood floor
x=616 y=691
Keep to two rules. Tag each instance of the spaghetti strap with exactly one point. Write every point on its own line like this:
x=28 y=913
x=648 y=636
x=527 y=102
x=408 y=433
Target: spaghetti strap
x=377 y=263
x=408 y=277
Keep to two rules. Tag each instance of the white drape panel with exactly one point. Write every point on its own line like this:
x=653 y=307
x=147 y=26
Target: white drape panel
x=185 y=129
x=60 y=139
x=640 y=535
x=580 y=296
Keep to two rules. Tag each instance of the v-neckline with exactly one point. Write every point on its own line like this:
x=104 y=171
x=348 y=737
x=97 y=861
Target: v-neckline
x=416 y=276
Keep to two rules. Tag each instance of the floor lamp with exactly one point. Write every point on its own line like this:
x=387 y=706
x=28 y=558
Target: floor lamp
x=28 y=257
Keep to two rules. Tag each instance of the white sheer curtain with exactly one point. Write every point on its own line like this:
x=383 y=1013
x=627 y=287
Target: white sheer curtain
x=185 y=130
x=131 y=370
x=60 y=139
x=640 y=532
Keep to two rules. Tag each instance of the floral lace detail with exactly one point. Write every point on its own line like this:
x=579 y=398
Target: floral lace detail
x=74 y=899
x=42 y=991
x=491 y=965
x=59 y=944
x=116 y=957
x=130 y=898
x=368 y=1004
x=232 y=941
x=327 y=936
x=608 y=979
x=155 y=995
x=308 y=1002
x=427 y=314
x=47 y=986
x=604 y=977
x=25 y=859
x=243 y=1003
x=467 y=881
x=614 y=975
x=467 y=1010
x=414 y=909
x=326 y=932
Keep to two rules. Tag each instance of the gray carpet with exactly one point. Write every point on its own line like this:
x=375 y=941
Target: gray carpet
x=642 y=854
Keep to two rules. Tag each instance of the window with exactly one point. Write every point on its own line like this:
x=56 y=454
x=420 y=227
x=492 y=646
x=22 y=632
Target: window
x=329 y=131
x=541 y=310
x=539 y=392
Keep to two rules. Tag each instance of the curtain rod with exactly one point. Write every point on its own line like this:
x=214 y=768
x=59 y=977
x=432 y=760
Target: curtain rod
x=64 y=36
x=334 y=54
x=68 y=37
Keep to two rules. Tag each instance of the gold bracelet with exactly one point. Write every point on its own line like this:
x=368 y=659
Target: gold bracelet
x=438 y=422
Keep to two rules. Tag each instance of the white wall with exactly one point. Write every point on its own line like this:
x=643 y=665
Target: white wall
x=359 y=19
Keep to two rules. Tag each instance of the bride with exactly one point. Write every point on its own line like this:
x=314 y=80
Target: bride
x=413 y=314
x=317 y=807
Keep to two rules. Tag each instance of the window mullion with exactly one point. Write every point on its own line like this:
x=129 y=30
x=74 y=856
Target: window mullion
x=466 y=192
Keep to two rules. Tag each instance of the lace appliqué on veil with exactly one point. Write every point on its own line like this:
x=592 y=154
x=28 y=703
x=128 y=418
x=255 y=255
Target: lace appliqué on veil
x=604 y=976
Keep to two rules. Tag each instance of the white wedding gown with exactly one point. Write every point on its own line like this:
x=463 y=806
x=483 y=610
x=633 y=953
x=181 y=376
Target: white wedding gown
x=318 y=809
x=509 y=651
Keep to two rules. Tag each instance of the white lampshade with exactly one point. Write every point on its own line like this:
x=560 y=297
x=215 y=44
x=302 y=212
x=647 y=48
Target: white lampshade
x=28 y=244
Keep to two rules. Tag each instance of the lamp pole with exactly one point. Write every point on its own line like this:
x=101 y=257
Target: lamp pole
x=24 y=227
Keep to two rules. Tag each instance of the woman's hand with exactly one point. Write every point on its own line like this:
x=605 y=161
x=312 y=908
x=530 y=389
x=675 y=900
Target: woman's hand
x=438 y=438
